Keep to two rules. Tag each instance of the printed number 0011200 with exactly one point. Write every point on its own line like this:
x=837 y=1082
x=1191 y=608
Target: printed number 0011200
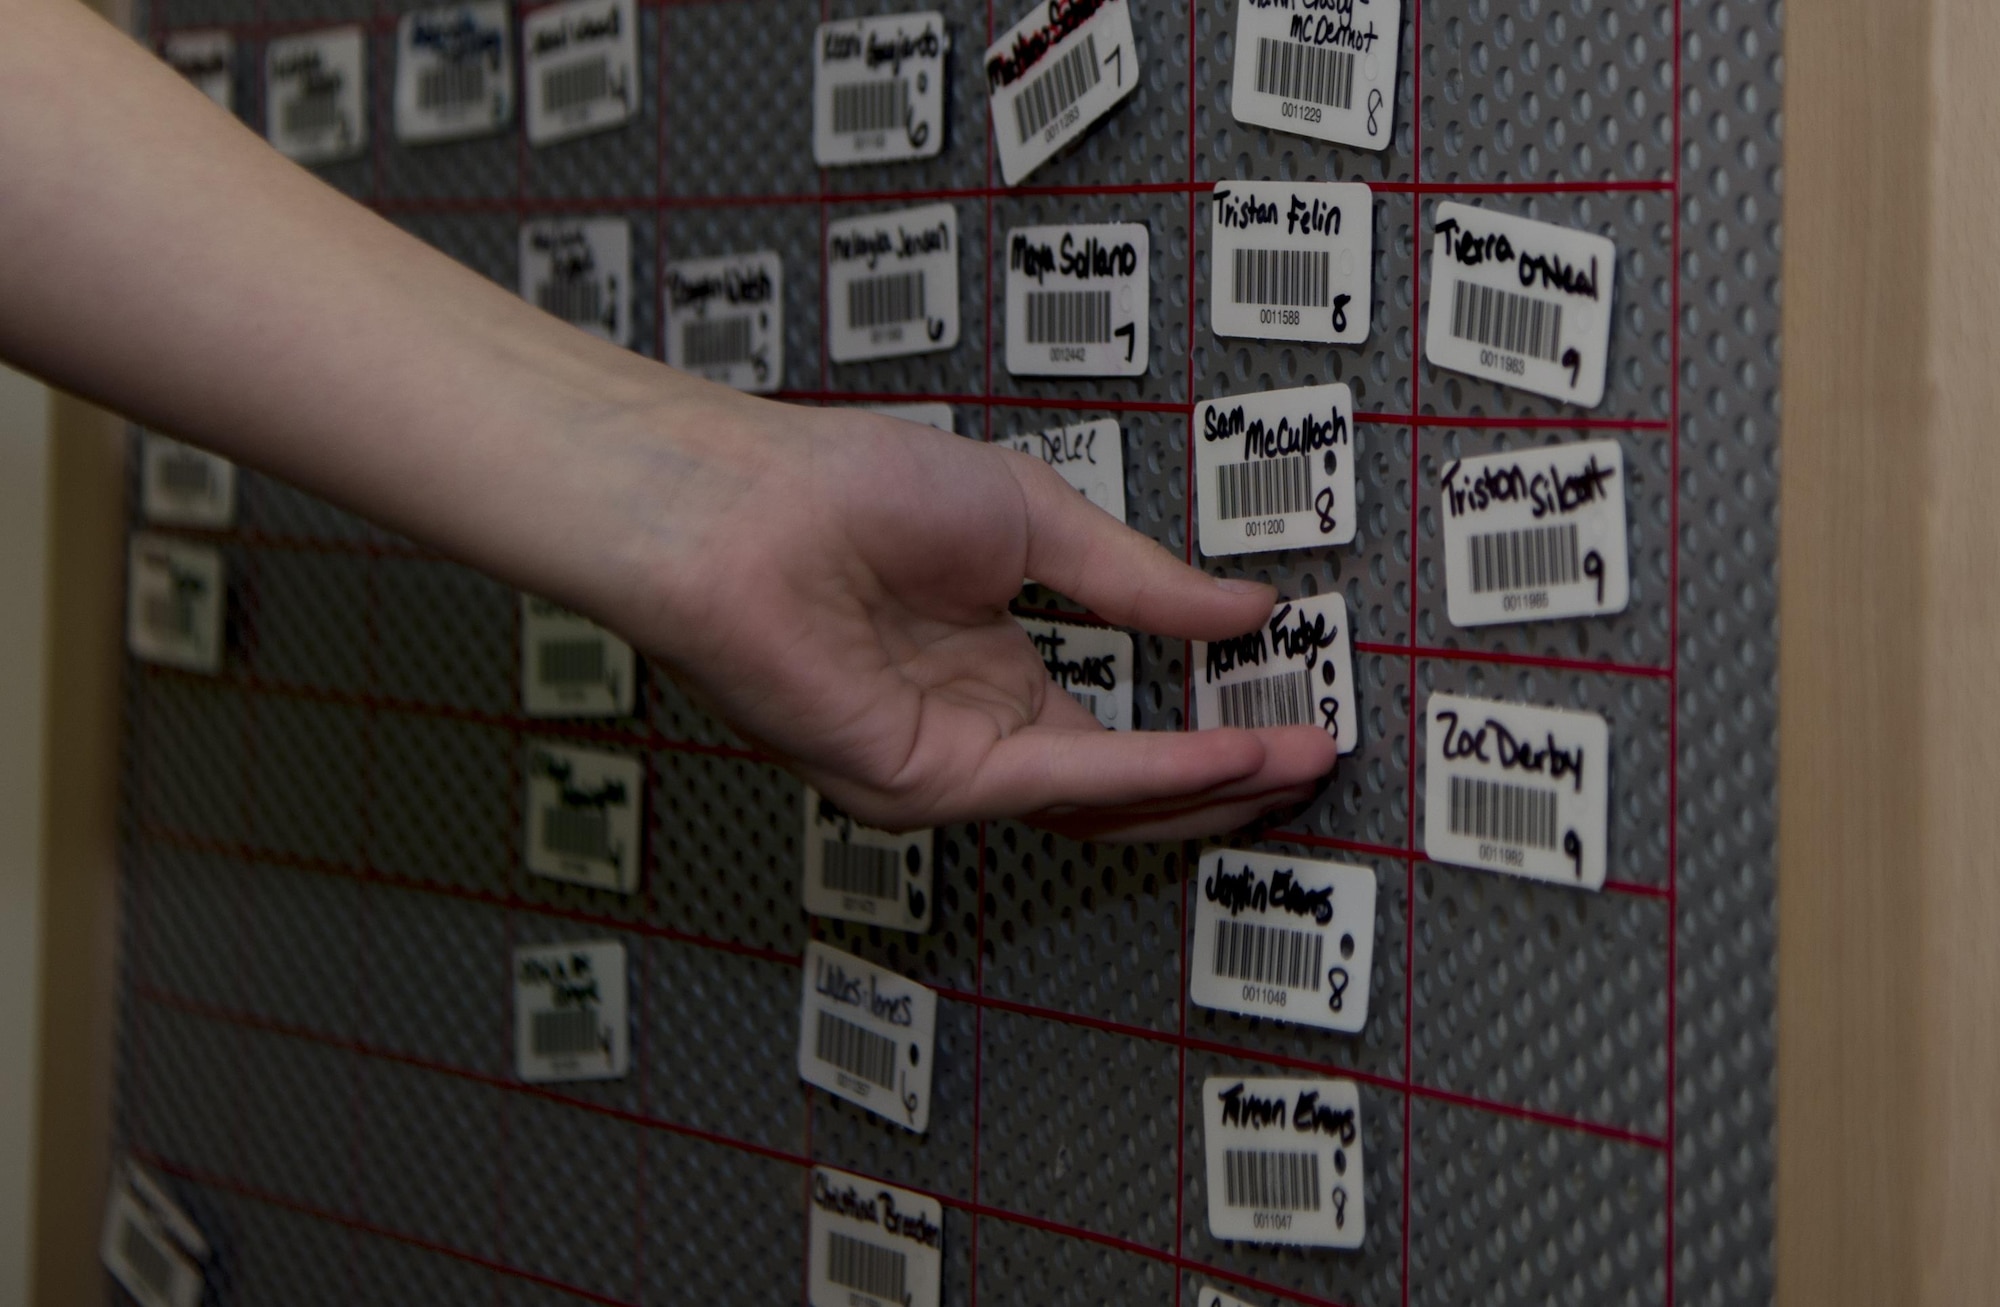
x=1270 y=526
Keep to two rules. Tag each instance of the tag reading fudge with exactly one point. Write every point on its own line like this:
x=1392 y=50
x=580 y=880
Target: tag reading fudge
x=583 y=816
x=580 y=269
x=726 y=319
x=208 y=59
x=858 y=873
x=1296 y=670
x=872 y=1244
x=1092 y=663
x=1077 y=300
x=892 y=284
x=569 y=1012
x=1282 y=937
x=1321 y=68
x=1291 y=260
x=1535 y=534
x=571 y=666
x=930 y=415
x=581 y=62
x=180 y=485
x=1276 y=470
x=878 y=88
x=1284 y=1161
x=454 y=73
x=867 y=1035
x=1059 y=70
x=1519 y=789
x=316 y=95
x=174 y=603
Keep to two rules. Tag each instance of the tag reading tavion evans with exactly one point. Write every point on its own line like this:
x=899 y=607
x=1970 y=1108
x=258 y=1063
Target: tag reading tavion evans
x=1535 y=534
x=1283 y=937
x=1275 y=470
x=726 y=319
x=569 y=1012
x=1077 y=300
x=174 y=601
x=867 y=1035
x=1057 y=71
x=858 y=873
x=892 y=284
x=1321 y=69
x=1520 y=302
x=571 y=666
x=872 y=1243
x=454 y=72
x=583 y=816
x=1295 y=670
x=1088 y=455
x=1284 y=1161
x=581 y=62
x=1291 y=260
x=1093 y=664
x=1519 y=789
x=316 y=95
x=208 y=59
x=580 y=269
x=180 y=485
x=878 y=88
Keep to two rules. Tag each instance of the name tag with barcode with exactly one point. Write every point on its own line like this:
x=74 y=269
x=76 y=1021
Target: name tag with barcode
x=878 y=88
x=1284 y=1161
x=569 y=1012
x=1285 y=938
x=1291 y=260
x=454 y=73
x=858 y=873
x=726 y=319
x=892 y=284
x=1077 y=300
x=930 y=415
x=571 y=666
x=1056 y=72
x=580 y=269
x=1519 y=789
x=1088 y=455
x=1092 y=664
x=174 y=603
x=867 y=1035
x=208 y=59
x=1322 y=70
x=180 y=485
x=316 y=95
x=1521 y=302
x=149 y=1244
x=581 y=62
x=872 y=1243
x=1275 y=470
x=1535 y=534
x=1295 y=670
x=583 y=816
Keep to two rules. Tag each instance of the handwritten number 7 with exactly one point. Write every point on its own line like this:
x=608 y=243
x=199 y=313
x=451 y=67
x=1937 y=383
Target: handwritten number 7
x=1130 y=331
x=1117 y=74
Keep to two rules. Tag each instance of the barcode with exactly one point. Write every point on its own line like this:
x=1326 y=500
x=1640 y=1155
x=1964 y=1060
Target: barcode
x=186 y=473
x=577 y=832
x=880 y=301
x=1086 y=698
x=1280 y=1182
x=170 y=615
x=567 y=1033
x=450 y=85
x=1302 y=72
x=871 y=106
x=856 y=1051
x=576 y=83
x=1274 y=485
x=1069 y=317
x=313 y=110
x=572 y=298
x=858 y=869
x=1057 y=89
x=1500 y=319
x=857 y=1264
x=1523 y=815
x=1532 y=558
x=1281 y=700
x=569 y=662
x=709 y=344
x=1288 y=278
x=145 y=1259
x=1268 y=955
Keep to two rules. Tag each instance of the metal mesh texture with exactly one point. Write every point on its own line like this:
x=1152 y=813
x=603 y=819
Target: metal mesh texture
x=1565 y=1098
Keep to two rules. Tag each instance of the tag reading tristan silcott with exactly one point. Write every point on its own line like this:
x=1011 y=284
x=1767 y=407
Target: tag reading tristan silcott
x=878 y=88
x=1093 y=664
x=1535 y=534
x=1057 y=71
x=1321 y=68
x=581 y=64
x=1292 y=260
x=174 y=603
x=858 y=873
x=1284 y=937
x=569 y=1012
x=1088 y=455
x=1295 y=670
x=571 y=666
x=867 y=1035
x=1275 y=470
x=872 y=1244
x=583 y=816
x=892 y=284
x=726 y=319
x=1514 y=788
x=208 y=59
x=1284 y=1161
x=1521 y=302
x=316 y=95
x=1077 y=300
x=580 y=269
x=454 y=72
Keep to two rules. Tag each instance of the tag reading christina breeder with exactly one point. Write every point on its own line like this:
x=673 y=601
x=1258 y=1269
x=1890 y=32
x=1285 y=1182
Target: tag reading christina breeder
x=1321 y=68
x=1057 y=71
x=1284 y=1161
x=1535 y=534
x=892 y=284
x=1283 y=937
x=1514 y=788
x=316 y=95
x=1275 y=470
x=569 y=1012
x=1077 y=300
x=726 y=319
x=1092 y=663
x=867 y=1035
x=1088 y=455
x=580 y=269
x=583 y=816
x=1295 y=670
x=878 y=88
x=871 y=1243
x=1291 y=260
x=858 y=873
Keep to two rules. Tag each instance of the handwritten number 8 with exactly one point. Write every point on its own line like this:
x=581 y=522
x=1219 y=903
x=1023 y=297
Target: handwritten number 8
x=1340 y=312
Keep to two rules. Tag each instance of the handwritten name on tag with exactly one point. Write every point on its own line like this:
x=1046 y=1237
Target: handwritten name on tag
x=1284 y=1161
x=580 y=269
x=867 y=1035
x=1536 y=534
x=1283 y=937
x=892 y=284
x=726 y=319
x=208 y=59
x=1077 y=300
x=1275 y=470
x=1092 y=664
x=1296 y=670
x=871 y=1243
x=1291 y=260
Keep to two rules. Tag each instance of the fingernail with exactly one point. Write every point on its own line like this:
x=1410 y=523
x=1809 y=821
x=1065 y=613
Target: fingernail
x=1238 y=586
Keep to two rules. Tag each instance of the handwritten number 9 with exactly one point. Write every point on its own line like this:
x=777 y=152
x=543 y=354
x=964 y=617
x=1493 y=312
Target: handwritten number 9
x=1593 y=567
x=1573 y=849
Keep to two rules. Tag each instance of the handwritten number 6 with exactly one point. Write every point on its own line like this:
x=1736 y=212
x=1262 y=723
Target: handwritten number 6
x=1593 y=567
x=1130 y=332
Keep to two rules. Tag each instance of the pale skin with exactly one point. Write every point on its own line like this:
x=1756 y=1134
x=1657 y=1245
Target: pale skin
x=832 y=583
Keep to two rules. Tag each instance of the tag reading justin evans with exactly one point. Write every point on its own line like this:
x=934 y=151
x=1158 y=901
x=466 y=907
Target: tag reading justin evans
x=1284 y=937
x=454 y=72
x=316 y=95
x=878 y=89
x=580 y=269
x=174 y=598
x=1089 y=455
x=581 y=62
x=872 y=1245
x=1520 y=302
x=180 y=485
x=583 y=816
x=859 y=873
x=1059 y=69
x=867 y=1035
x=1077 y=300
x=1296 y=670
x=1518 y=789
x=1535 y=534
x=1284 y=1161
x=208 y=59
x=1092 y=663
x=892 y=284
x=1321 y=68
x=726 y=319
x=571 y=666
x=569 y=1012
x=930 y=415
x=1292 y=260
x=1276 y=470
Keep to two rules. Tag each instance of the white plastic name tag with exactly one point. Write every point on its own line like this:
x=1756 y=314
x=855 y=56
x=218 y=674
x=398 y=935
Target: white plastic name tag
x=149 y=1244
x=581 y=62
x=872 y=1244
x=1056 y=72
x=180 y=485
x=316 y=95
x=858 y=873
x=878 y=88
x=174 y=604
x=1283 y=937
x=1275 y=470
x=1077 y=300
x=1519 y=789
x=1325 y=70
x=580 y=269
x=1284 y=1161
x=1093 y=664
x=571 y=666
x=726 y=319
x=1296 y=670
x=569 y=1012
x=930 y=415
x=892 y=284
x=1210 y=1296
x=1520 y=302
x=1088 y=455
x=1535 y=534
x=867 y=1035
x=583 y=816
x=454 y=72
x=1291 y=260
x=208 y=59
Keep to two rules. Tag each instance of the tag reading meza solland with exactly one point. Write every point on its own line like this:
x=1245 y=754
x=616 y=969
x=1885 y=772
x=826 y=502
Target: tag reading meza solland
x=1291 y=260
x=1093 y=664
x=316 y=95
x=1295 y=670
x=581 y=62
x=1275 y=470
x=180 y=485
x=1535 y=534
x=571 y=666
x=930 y=415
x=858 y=873
x=1057 y=71
x=1088 y=455
x=1321 y=68
x=1521 y=302
x=1077 y=300
x=583 y=816
x=726 y=319
x=1514 y=788
x=149 y=1244
x=454 y=72
x=892 y=284
x=569 y=1012
x=867 y=1035
x=1284 y=1161
x=208 y=59
x=174 y=603
x=1283 y=937
x=878 y=88
x=580 y=269
x=872 y=1244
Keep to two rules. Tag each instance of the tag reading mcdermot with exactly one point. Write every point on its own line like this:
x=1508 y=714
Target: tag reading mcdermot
x=858 y=873
x=1093 y=664
x=1321 y=68
x=583 y=816
x=1519 y=789
x=454 y=72
x=581 y=64
x=872 y=1244
x=571 y=666
x=1520 y=302
x=1275 y=470
x=892 y=284
x=867 y=1035
x=1077 y=300
x=1283 y=937
x=1292 y=260
x=208 y=59
x=1535 y=534
x=1088 y=455
x=878 y=88
x=1059 y=69
x=580 y=269
x=726 y=319
x=1297 y=670
x=180 y=485
x=1284 y=1161
x=174 y=603
x=316 y=95
x=569 y=1012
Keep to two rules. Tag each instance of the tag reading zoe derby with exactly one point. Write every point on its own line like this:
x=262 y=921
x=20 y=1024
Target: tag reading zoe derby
x=1514 y=788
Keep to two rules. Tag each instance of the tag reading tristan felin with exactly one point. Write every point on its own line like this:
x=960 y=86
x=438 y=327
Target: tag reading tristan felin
x=1077 y=300
x=180 y=485
x=892 y=284
x=174 y=603
x=726 y=319
x=1056 y=72
x=580 y=269
x=1284 y=1161
x=1295 y=670
x=1325 y=70
x=1291 y=260
x=454 y=72
x=1093 y=664
x=581 y=64
x=569 y=1012
x=878 y=88
x=583 y=816
x=867 y=1035
x=1535 y=534
x=1519 y=789
x=1275 y=470
x=316 y=95
x=1283 y=937
x=1088 y=455
x=858 y=873
x=872 y=1244
x=208 y=59
x=571 y=666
